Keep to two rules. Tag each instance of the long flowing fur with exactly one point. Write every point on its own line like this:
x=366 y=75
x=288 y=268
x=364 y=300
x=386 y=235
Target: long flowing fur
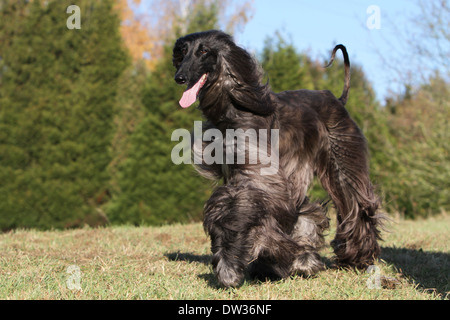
x=265 y=224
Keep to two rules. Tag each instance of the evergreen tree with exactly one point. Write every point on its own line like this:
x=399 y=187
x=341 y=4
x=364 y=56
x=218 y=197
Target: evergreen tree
x=151 y=189
x=56 y=108
x=285 y=67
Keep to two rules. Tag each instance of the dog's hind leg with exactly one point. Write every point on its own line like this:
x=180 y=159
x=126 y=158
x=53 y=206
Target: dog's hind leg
x=279 y=256
x=312 y=222
x=344 y=173
x=308 y=234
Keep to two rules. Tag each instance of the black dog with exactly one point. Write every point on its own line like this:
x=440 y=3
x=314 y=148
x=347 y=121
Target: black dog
x=265 y=223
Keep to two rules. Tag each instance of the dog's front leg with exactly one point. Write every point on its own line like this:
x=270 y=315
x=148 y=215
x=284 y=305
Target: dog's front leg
x=229 y=259
x=228 y=219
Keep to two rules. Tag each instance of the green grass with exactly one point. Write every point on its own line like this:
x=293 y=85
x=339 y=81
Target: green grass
x=172 y=262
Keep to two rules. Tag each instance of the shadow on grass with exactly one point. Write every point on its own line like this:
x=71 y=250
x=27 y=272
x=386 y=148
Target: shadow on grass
x=210 y=278
x=189 y=257
x=200 y=258
x=430 y=270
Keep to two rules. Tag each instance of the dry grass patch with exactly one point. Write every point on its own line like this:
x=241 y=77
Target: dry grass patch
x=172 y=262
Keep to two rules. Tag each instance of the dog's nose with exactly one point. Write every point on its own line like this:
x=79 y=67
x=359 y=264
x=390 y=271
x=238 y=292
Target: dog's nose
x=180 y=78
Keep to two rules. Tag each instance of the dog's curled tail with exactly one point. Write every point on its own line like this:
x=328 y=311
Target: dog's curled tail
x=344 y=95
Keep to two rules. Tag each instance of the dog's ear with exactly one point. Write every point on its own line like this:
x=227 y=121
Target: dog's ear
x=245 y=88
x=256 y=100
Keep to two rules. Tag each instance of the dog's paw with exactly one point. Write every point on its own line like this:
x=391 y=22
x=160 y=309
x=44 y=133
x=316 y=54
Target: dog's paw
x=227 y=275
x=307 y=264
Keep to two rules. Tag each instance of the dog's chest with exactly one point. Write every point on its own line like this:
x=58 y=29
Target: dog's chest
x=225 y=172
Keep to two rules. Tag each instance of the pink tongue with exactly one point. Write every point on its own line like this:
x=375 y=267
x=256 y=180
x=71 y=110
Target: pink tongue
x=190 y=96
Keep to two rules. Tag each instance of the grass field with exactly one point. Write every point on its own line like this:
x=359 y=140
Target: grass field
x=172 y=262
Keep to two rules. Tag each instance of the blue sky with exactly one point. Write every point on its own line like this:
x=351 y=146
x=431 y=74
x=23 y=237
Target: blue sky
x=315 y=26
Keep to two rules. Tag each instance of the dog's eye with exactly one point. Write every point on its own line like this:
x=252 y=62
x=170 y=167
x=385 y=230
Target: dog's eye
x=184 y=49
x=204 y=51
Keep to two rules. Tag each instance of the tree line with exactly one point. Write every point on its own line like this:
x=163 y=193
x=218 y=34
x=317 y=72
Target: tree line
x=86 y=122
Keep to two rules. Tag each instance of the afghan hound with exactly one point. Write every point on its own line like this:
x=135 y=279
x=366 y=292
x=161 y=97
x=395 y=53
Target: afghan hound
x=264 y=225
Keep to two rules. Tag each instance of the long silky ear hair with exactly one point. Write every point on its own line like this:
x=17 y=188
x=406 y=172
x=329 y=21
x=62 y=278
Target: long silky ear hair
x=245 y=75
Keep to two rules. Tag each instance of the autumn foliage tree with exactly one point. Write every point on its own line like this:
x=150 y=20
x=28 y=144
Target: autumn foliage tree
x=148 y=26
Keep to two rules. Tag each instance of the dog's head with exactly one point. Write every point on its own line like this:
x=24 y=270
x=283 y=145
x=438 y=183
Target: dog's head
x=195 y=57
x=211 y=59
